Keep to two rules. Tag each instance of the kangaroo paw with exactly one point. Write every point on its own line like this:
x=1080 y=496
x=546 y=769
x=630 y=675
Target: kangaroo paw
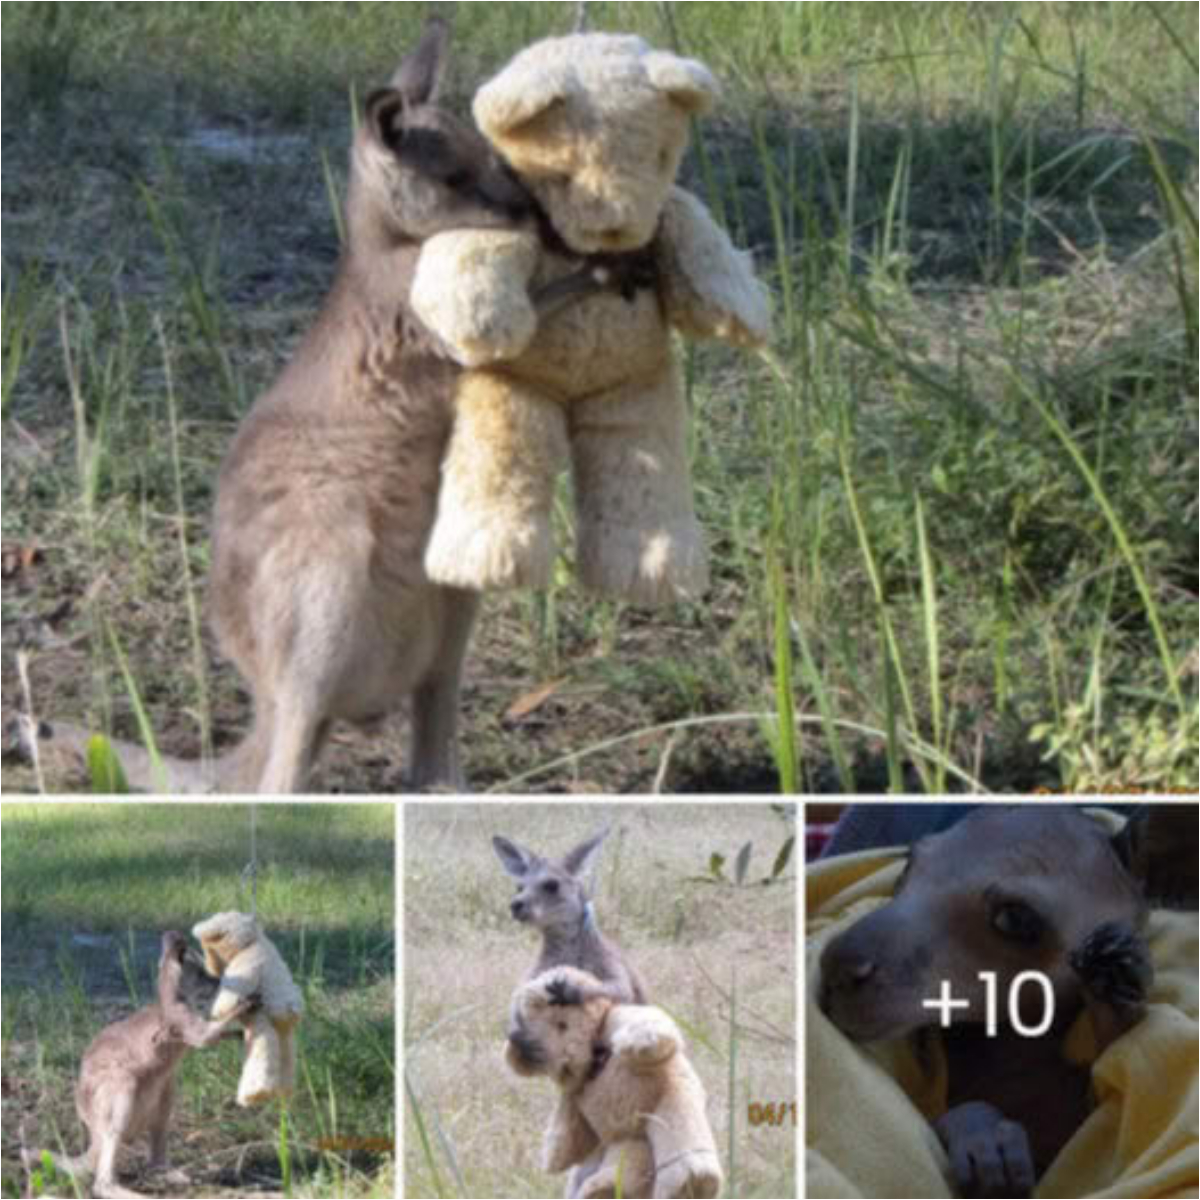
x=563 y=992
x=1114 y=964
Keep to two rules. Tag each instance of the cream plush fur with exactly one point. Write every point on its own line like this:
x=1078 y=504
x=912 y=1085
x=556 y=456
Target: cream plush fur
x=631 y=1106
x=595 y=126
x=236 y=949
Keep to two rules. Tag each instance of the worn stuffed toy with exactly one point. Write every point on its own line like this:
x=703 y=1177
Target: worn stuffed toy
x=631 y=1107
x=236 y=949
x=595 y=126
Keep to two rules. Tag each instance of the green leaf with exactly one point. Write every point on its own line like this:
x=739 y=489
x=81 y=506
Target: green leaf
x=104 y=768
x=783 y=857
x=743 y=863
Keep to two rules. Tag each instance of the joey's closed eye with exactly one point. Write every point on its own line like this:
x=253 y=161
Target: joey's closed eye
x=1017 y=922
x=550 y=887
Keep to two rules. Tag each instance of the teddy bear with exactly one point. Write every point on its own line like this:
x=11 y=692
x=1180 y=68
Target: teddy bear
x=236 y=949
x=594 y=126
x=631 y=1107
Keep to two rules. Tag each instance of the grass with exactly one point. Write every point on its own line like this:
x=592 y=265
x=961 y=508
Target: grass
x=717 y=953
x=953 y=513
x=90 y=888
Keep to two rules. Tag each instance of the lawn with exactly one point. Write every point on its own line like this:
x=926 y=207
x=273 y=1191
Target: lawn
x=87 y=893
x=719 y=955
x=953 y=513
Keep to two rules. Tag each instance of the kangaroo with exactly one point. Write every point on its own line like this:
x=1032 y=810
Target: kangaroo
x=127 y=1080
x=1008 y=890
x=554 y=898
x=326 y=497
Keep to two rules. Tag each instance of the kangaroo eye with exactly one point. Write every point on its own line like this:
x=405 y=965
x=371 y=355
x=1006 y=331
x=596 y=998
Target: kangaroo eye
x=458 y=180
x=1018 y=922
x=550 y=887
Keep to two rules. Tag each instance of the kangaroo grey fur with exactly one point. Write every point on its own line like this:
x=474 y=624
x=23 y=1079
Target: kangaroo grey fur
x=126 y=1085
x=325 y=500
x=1037 y=887
x=554 y=898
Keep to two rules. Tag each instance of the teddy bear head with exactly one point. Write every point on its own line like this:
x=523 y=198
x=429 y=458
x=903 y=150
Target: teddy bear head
x=596 y=125
x=555 y=1029
x=226 y=935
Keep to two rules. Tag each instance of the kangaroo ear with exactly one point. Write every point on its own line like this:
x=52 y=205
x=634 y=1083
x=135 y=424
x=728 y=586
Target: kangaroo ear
x=582 y=860
x=419 y=77
x=516 y=860
x=384 y=116
x=174 y=944
x=1158 y=846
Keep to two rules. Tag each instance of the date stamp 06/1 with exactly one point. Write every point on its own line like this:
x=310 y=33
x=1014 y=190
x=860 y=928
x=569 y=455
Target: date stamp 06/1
x=774 y=1115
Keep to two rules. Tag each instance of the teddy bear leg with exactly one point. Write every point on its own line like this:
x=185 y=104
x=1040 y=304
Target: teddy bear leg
x=685 y=1162
x=638 y=537
x=493 y=526
x=627 y=1170
x=261 y=1070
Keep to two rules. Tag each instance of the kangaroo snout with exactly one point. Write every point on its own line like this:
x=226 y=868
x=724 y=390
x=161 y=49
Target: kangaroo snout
x=872 y=982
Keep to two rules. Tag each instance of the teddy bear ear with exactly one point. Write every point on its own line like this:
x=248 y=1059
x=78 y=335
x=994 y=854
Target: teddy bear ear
x=511 y=101
x=690 y=84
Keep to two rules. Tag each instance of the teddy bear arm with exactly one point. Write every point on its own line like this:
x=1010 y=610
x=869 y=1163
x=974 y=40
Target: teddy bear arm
x=569 y=1139
x=708 y=285
x=647 y=1039
x=471 y=289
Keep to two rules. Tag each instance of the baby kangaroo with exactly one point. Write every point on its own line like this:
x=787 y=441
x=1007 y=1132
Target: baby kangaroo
x=1039 y=906
x=127 y=1081
x=554 y=898
x=326 y=498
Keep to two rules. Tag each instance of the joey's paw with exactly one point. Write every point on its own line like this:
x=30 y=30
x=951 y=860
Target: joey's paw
x=562 y=992
x=989 y=1154
x=1114 y=965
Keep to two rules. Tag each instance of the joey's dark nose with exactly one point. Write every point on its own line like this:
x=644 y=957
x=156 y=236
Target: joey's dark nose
x=517 y=908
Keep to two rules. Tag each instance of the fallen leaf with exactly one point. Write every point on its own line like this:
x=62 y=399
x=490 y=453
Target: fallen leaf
x=17 y=560
x=528 y=704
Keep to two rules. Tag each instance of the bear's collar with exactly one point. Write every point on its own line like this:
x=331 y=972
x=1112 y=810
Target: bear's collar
x=601 y=1054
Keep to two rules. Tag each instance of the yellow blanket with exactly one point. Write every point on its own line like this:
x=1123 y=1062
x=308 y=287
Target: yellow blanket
x=868 y=1133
